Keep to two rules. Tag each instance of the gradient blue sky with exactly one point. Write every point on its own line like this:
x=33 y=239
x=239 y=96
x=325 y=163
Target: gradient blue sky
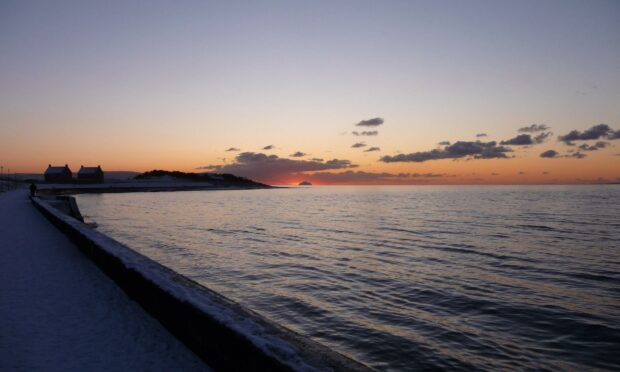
x=143 y=84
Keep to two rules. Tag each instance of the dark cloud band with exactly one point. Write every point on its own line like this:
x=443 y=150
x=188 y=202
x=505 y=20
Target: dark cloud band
x=349 y=176
x=265 y=167
x=460 y=149
x=527 y=139
x=596 y=132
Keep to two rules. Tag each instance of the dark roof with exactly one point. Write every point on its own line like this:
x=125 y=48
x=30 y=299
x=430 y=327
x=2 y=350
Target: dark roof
x=90 y=170
x=56 y=169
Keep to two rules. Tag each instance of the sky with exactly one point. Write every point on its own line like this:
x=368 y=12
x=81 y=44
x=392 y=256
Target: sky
x=333 y=92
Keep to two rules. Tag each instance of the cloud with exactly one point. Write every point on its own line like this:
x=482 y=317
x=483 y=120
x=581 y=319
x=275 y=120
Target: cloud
x=358 y=145
x=444 y=143
x=371 y=149
x=521 y=139
x=317 y=159
x=351 y=177
x=595 y=132
x=480 y=135
x=298 y=154
x=542 y=137
x=374 y=122
x=527 y=139
x=576 y=155
x=533 y=128
x=555 y=154
x=549 y=154
x=614 y=135
x=596 y=146
x=269 y=168
x=269 y=147
x=233 y=149
x=460 y=149
x=366 y=133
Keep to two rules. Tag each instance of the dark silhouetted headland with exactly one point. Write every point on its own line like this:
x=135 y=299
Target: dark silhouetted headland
x=216 y=179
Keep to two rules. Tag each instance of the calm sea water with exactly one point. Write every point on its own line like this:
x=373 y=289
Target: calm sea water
x=402 y=278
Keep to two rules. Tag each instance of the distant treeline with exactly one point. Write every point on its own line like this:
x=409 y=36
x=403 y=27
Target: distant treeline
x=213 y=178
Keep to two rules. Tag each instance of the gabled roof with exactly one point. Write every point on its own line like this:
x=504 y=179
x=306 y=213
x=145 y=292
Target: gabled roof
x=90 y=170
x=57 y=170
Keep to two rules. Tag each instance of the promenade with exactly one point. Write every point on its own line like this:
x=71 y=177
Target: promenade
x=59 y=312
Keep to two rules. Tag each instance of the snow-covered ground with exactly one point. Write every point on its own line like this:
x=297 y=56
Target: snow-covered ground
x=59 y=312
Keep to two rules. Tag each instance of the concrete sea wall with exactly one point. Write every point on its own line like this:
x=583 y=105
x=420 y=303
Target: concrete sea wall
x=223 y=333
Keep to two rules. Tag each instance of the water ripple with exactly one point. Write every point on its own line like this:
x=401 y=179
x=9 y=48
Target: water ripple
x=403 y=278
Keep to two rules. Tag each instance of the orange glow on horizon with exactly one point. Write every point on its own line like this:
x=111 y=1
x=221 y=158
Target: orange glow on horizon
x=527 y=168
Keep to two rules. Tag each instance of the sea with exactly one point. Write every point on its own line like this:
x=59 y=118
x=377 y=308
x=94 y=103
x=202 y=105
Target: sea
x=402 y=277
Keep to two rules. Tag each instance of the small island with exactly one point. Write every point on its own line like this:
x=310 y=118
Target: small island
x=305 y=183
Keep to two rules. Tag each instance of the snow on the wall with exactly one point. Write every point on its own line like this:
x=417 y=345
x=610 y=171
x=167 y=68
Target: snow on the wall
x=269 y=338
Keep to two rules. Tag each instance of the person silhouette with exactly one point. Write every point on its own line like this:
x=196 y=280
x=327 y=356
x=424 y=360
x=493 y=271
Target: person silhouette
x=33 y=189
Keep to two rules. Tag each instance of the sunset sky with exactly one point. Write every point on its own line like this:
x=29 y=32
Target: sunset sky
x=285 y=85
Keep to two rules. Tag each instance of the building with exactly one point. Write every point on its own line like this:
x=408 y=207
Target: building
x=58 y=174
x=90 y=174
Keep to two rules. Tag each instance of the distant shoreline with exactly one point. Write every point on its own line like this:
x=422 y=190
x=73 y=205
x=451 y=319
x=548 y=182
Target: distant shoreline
x=68 y=189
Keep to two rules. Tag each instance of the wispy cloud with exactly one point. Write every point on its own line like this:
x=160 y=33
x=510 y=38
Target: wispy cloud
x=269 y=147
x=460 y=149
x=298 y=154
x=374 y=122
x=534 y=128
x=371 y=149
x=480 y=135
x=576 y=155
x=596 y=146
x=366 y=133
x=233 y=149
x=358 y=145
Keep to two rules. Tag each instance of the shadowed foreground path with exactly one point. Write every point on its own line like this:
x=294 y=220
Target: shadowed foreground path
x=58 y=311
